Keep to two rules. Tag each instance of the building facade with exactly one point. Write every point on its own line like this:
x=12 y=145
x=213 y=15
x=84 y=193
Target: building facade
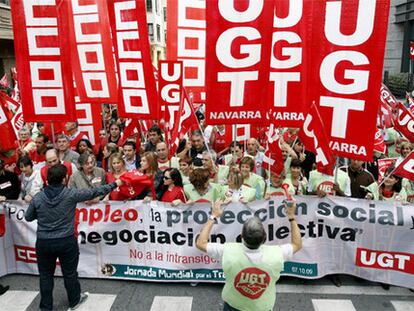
x=157 y=28
x=400 y=34
x=7 y=57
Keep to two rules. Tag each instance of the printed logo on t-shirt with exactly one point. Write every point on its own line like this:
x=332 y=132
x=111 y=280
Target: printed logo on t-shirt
x=277 y=193
x=97 y=180
x=5 y=185
x=327 y=187
x=251 y=282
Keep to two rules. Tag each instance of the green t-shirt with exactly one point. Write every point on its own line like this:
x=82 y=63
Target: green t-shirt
x=214 y=192
x=250 y=286
x=256 y=182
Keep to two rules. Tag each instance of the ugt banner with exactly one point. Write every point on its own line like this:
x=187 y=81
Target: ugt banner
x=156 y=242
x=347 y=55
x=170 y=88
x=45 y=78
x=237 y=67
x=186 y=42
x=289 y=62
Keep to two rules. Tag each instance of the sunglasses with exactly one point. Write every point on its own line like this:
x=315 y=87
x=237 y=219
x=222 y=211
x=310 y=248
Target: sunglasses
x=165 y=177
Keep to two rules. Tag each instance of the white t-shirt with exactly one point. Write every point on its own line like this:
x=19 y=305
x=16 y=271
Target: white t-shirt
x=215 y=251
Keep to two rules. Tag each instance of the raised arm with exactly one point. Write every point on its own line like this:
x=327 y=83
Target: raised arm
x=83 y=195
x=216 y=212
x=296 y=238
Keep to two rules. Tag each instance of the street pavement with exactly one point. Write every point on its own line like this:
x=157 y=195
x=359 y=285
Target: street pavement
x=293 y=294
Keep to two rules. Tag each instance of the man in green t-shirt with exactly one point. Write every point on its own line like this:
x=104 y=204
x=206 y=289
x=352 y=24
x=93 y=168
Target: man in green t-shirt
x=251 y=268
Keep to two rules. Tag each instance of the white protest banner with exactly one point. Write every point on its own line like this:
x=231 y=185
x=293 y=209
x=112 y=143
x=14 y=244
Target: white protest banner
x=156 y=242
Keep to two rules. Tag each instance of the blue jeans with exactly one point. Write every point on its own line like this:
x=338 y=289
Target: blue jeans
x=47 y=251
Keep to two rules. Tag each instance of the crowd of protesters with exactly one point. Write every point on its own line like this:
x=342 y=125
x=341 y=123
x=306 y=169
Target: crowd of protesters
x=204 y=169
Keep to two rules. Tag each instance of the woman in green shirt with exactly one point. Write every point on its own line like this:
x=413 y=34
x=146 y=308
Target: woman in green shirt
x=251 y=179
x=201 y=189
x=235 y=191
x=390 y=190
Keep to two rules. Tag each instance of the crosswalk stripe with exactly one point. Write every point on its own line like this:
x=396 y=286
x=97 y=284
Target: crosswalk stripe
x=17 y=300
x=170 y=303
x=343 y=290
x=101 y=302
x=401 y=305
x=333 y=304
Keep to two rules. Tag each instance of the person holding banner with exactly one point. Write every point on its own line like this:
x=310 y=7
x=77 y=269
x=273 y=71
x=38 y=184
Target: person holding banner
x=54 y=208
x=251 y=268
x=277 y=184
x=201 y=189
x=88 y=176
x=3 y=289
x=322 y=184
x=236 y=191
x=172 y=190
x=390 y=189
x=255 y=181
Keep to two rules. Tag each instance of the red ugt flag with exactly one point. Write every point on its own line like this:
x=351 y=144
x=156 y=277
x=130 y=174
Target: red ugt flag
x=379 y=143
x=187 y=119
x=8 y=136
x=314 y=137
x=406 y=167
x=404 y=122
x=273 y=155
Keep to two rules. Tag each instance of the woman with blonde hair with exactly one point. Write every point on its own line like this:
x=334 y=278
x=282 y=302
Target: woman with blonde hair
x=116 y=169
x=236 y=191
x=149 y=166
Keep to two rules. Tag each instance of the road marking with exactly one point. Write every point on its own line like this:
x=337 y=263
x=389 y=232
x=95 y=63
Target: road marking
x=343 y=290
x=17 y=300
x=170 y=303
x=332 y=304
x=101 y=302
x=402 y=305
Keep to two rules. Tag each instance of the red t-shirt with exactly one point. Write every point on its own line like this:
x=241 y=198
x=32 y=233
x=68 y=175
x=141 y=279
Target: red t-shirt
x=36 y=157
x=176 y=193
x=116 y=194
x=220 y=143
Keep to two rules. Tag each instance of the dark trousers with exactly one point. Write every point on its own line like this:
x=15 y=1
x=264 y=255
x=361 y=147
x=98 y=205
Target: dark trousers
x=227 y=307
x=47 y=251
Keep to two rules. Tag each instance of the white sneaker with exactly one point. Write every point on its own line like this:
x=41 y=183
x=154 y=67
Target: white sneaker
x=83 y=297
